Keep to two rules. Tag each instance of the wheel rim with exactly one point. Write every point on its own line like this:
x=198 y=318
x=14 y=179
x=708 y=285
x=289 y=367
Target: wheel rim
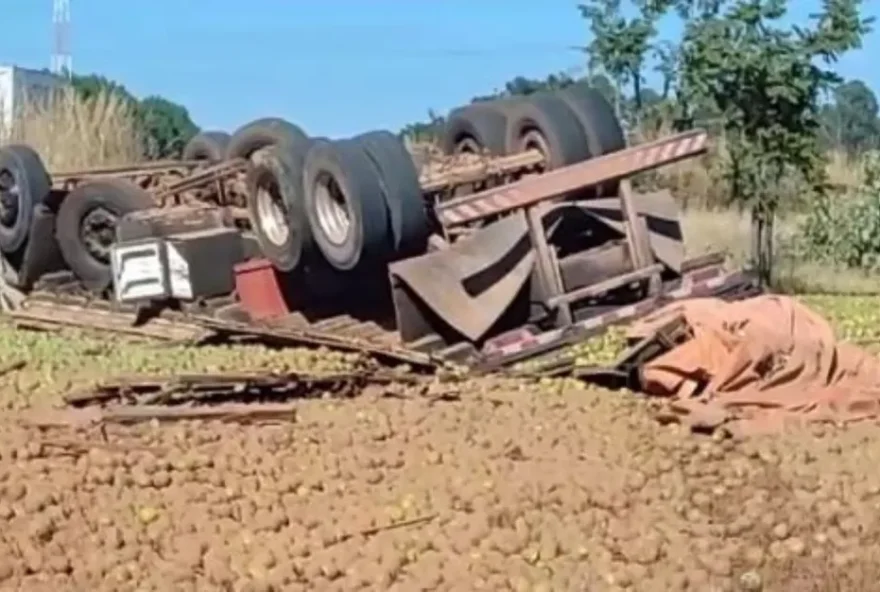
x=10 y=198
x=332 y=208
x=98 y=233
x=468 y=146
x=272 y=214
x=535 y=140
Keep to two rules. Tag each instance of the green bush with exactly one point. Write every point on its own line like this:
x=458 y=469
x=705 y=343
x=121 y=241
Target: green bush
x=845 y=230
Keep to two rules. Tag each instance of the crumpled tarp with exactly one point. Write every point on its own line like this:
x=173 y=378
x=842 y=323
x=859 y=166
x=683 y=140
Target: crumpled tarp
x=759 y=364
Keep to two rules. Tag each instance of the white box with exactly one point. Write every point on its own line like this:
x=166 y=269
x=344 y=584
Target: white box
x=140 y=271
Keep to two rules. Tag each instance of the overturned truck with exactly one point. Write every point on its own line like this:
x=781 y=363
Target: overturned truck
x=525 y=238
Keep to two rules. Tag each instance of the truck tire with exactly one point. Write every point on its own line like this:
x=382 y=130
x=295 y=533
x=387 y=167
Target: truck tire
x=210 y=146
x=269 y=131
x=475 y=128
x=596 y=116
x=401 y=190
x=544 y=122
x=86 y=226
x=24 y=184
x=345 y=206
x=276 y=205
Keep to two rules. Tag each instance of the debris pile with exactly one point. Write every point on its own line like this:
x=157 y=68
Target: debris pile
x=240 y=397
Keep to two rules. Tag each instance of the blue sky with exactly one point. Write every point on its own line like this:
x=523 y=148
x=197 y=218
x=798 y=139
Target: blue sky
x=336 y=67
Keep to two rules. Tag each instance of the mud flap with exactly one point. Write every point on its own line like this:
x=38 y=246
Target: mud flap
x=497 y=256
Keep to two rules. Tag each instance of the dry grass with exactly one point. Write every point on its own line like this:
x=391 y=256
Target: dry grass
x=71 y=133
x=729 y=231
x=700 y=183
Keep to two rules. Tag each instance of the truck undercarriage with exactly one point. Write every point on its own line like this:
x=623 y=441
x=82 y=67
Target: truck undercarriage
x=486 y=262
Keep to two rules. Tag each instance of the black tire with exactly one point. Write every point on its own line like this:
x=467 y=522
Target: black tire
x=596 y=116
x=210 y=146
x=401 y=190
x=476 y=127
x=355 y=232
x=275 y=190
x=545 y=122
x=116 y=197
x=24 y=184
x=270 y=131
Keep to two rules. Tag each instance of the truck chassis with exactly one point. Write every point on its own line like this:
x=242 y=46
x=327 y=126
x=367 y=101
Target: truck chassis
x=506 y=187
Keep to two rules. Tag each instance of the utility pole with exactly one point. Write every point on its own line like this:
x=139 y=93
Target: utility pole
x=62 y=61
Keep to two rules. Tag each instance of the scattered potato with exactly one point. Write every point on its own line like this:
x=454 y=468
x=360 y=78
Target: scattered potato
x=554 y=486
x=856 y=318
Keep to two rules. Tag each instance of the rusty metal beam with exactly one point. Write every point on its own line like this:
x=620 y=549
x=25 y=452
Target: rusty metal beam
x=154 y=167
x=479 y=171
x=598 y=289
x=532 y=190
x=218 y=172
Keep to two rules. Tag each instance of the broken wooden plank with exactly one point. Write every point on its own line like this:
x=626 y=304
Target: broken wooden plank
x=133 y=414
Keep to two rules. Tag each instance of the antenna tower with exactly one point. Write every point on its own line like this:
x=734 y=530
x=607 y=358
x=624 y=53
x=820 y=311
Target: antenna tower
x=62 y=61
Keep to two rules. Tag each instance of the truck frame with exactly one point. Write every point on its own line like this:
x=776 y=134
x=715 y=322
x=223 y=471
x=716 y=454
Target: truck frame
x=432 y=317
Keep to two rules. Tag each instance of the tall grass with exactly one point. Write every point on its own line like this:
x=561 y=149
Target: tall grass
x=700 y=182
x=72 y=133
x=729 y=231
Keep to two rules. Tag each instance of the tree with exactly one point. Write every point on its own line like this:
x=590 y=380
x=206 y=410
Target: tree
x=620 y=46
x=166 y=126
x=850 y=123
x=766 y=79
x=90 y=86
x=424 y=131
x=522 y=86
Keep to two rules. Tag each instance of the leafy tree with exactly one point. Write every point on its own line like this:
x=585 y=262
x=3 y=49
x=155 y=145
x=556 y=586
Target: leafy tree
x=847 y=231
x=620 y=46
x=522 y=86
x=765 y=79
x=90 y=86
x=166 y=126
x=850 y=123
x=424 y=131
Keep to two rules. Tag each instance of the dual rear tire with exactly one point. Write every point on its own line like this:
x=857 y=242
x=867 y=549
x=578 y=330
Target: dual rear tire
x=350 y=204
x=567 y=126
x=324 y=210
x=355 y=203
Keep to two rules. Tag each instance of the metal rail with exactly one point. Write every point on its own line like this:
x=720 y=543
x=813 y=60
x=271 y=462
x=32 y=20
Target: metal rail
x=199 y=173
x=478 y=171
x=218 y=172
x=153 y=167
x=530 y=191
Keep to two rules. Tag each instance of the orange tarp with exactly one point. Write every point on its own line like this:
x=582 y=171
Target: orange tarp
x=758 y=363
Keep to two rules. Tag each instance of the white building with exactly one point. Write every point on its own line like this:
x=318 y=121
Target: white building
x=20 y=84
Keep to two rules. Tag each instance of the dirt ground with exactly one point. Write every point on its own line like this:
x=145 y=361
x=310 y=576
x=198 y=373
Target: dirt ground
x=503 y=487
